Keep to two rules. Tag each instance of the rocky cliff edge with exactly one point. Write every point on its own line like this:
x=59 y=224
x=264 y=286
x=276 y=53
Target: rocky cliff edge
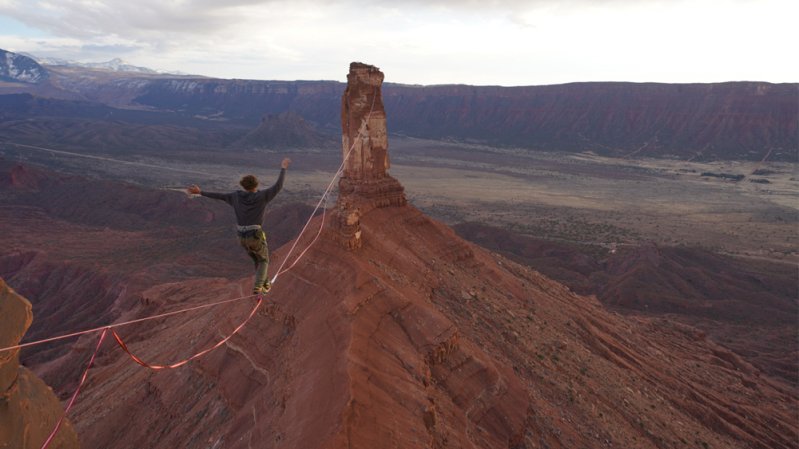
x=28 y=407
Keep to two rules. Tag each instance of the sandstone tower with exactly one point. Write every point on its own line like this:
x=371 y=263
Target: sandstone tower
x=365 y=183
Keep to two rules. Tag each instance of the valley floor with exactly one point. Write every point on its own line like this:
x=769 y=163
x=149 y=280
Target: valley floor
x=577 y=198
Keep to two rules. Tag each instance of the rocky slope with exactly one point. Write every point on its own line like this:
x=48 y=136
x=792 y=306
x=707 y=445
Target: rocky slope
x=747 y=305
x=419 y=339
x=28 y=408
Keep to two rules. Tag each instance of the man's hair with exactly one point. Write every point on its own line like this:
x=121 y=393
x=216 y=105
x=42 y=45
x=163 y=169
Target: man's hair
x=249 y=182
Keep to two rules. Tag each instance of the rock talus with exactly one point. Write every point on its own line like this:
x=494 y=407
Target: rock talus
x=28 y=408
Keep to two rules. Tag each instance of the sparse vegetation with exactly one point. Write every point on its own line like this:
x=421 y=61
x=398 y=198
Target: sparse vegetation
x=764 y=172
x=730 y=176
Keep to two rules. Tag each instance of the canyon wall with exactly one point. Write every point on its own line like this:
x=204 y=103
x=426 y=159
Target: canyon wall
x=717 y=121
x=741 y=120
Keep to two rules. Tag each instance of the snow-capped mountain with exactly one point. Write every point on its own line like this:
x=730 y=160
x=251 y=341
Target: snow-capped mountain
x=115 y=65
x=18 y=68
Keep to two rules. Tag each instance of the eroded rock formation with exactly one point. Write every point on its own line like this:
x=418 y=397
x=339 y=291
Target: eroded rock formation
x=28 y=407
x=365 y=183
x=284 y=130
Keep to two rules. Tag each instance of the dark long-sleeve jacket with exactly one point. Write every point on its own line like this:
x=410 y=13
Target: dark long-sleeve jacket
x=249 y=206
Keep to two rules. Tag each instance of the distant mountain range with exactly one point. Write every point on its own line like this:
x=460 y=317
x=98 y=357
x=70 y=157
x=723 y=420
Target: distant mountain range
x=116 y=65
x=721 y=121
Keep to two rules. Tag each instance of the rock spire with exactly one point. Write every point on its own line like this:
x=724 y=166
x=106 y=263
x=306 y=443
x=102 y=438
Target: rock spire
x=365 y=183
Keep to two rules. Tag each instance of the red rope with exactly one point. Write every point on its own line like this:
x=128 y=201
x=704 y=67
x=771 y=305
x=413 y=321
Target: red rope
x=124 y=323
x=187 y=360
x=77 y=390
x=140 y=362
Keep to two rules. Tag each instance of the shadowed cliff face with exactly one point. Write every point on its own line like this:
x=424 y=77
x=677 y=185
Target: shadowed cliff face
x=702 y=121
x=28 y=408
x=687 y=121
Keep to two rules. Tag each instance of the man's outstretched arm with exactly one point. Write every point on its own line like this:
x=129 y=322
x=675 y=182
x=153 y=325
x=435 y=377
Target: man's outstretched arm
x=272 y=191
x=195 y=190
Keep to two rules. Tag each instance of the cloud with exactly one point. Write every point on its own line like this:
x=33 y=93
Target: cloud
x=79 y=18
x=91 y=30
x=418 y=41
x=158 y=20
x=141 y=18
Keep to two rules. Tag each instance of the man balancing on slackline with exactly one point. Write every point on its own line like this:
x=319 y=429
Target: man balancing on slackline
x=249 y=206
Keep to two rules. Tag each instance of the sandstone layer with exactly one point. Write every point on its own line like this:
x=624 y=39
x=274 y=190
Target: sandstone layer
x=28 y=408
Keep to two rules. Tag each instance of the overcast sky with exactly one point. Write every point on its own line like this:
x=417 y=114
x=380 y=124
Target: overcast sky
x=489 y=42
